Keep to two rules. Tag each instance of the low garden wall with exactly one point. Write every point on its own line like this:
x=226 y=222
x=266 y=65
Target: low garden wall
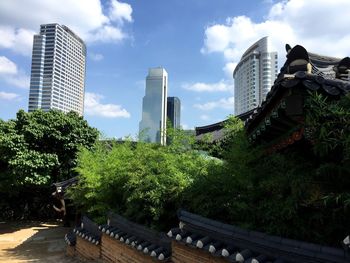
x=196 y=240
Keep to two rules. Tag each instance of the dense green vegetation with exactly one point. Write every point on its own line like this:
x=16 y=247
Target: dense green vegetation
x=143 y=181
x=300 y=192
x=40 y=147
x=37 y=149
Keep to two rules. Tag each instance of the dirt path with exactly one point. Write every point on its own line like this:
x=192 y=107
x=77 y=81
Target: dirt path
x=33 y=242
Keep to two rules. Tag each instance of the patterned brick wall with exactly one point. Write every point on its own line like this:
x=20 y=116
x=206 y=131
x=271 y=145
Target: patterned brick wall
x=185 y=254
x=114 y=251
x=70 y=251
x=87 y=250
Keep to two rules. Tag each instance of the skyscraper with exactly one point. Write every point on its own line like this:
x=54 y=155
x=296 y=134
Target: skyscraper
x=173 y=111
x=154 y=107
x=58 y=70
x=254 y=75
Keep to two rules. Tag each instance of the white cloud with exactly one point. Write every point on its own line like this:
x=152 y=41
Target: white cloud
x=19 y=20
x=20 y=40
x=229 y=68
x=106 y=34
x=321 y=26
x=120 y=11
x=187 y=127
x=184 y=126
x=209 y=87
x=225 y=103
x=96 y=56
x=7 y=66
x=8 y=96
x=304 y=22
x=233 y=47
x=21 y=80
x=204 y=117
x=94 y=107
x=9 y=73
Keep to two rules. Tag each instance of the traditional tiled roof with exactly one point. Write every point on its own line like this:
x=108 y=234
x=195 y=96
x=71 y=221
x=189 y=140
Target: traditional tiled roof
x=303 y=71
x=88 y=230
x=239 y=245
x=282 y=113
x=70 y=238
x=137 y=236
x=217 y=129
x=61 y=187
x=301 y=80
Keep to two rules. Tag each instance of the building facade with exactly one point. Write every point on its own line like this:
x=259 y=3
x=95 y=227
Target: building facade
x=58 y=70
x=154 y=107
x=254 y=75
x=174 y=111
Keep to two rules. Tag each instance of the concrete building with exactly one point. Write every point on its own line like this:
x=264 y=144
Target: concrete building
x=58 y=70
x=154 y=107
x=254 y=75
x=174 y=111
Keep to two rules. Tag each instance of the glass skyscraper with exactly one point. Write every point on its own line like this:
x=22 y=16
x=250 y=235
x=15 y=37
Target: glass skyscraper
x=154 y=107
x=173 y=111
x=254 y=75
x=58 y=70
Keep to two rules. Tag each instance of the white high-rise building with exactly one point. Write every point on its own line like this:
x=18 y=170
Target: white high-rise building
x=254 y=75
x=154 y=107
x=58 y=70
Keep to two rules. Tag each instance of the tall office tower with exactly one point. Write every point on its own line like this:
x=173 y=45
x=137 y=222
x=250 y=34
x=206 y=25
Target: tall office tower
x=254 y=75
x=173 y=111
x=58 y=70
x=154 y=107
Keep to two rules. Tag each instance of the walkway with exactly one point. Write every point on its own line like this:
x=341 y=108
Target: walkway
x=33 y=242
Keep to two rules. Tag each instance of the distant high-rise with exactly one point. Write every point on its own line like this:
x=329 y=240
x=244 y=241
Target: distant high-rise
x=154 y=107
x=58 y=70
x=254 y=75
x=173 y=111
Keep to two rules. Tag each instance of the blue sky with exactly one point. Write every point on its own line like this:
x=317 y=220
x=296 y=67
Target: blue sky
x=198 y=42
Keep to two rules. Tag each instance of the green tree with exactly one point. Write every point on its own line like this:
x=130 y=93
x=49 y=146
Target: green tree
x=40 y=147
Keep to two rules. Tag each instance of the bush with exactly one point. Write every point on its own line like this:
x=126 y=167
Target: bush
x=144 y=182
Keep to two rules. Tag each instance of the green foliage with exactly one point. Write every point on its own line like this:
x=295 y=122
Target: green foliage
x=293 y=193
x=40 y=147
x=330 y=124
x=142 y=181
x=301 y=192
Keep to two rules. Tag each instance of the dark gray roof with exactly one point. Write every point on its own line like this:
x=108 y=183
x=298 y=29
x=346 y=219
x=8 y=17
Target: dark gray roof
x=88 y=230
x=155 y=244
x=62 y=186
x=304 y=71
x=240 y=245
x=70 y=238
x=216 y=130
x=301 y=79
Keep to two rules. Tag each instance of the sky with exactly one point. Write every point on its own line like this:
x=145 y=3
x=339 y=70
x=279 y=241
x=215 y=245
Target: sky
x=198 y=42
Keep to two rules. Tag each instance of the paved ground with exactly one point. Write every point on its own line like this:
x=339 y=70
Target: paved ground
x=33 y=242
